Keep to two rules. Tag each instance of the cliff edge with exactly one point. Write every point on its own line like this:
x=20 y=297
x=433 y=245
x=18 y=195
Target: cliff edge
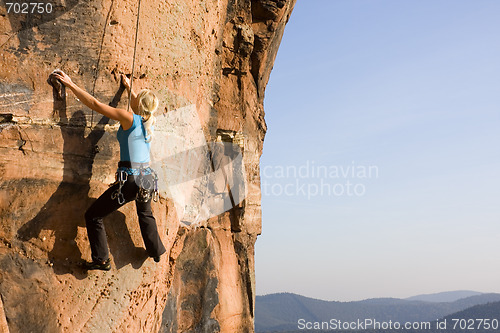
x=56 y=157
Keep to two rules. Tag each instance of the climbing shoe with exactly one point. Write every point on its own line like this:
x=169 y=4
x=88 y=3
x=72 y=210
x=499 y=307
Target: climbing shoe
x=157 y=259
x=104 y=266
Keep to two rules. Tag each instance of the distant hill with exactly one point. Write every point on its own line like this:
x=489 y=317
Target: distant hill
x=473 y=316
x=447 y=296
x=482 y=311
x=281 y=312
x=490 y=311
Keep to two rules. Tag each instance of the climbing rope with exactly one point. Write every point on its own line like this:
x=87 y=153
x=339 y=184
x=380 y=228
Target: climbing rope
x=96 y=72
x=135 y=50
x=133 y=60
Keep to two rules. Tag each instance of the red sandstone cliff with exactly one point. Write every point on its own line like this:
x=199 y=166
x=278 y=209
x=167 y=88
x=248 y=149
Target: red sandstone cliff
x=56 y=157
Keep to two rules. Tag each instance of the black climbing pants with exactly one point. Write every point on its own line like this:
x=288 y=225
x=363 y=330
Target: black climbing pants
x=105 y=205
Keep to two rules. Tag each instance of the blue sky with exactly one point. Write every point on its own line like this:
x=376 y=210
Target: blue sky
x=411 y=88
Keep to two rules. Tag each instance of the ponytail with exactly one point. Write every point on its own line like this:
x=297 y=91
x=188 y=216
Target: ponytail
x=148 y=104
x=149 y=127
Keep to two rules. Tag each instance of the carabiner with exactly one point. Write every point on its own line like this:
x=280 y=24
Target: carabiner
x=121 y=198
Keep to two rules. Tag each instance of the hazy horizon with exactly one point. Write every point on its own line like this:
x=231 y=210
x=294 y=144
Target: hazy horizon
x=403 y=298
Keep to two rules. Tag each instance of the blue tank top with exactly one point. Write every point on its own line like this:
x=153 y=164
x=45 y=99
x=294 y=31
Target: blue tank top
x=133 y=145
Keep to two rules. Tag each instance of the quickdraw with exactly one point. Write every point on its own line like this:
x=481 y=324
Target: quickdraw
x=121 y=178
x=156 y=193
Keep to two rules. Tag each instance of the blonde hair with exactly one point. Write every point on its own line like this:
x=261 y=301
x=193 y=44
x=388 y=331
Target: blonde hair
x=147 y=106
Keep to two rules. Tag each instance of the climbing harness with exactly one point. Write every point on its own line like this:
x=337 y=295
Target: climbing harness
x=147 y=187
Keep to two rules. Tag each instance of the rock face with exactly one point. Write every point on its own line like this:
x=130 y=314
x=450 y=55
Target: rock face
x=56 y=157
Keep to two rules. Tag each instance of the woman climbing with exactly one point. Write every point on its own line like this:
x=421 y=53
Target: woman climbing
x=134 y=179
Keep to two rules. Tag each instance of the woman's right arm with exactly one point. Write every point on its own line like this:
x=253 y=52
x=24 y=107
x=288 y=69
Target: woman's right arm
x=134 y=103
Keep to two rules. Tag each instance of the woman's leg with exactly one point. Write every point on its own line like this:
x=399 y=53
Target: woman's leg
x=103 y=206
x=149 y=230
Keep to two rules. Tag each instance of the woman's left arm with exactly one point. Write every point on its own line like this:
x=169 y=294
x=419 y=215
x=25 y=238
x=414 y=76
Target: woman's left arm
x=90 y=101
